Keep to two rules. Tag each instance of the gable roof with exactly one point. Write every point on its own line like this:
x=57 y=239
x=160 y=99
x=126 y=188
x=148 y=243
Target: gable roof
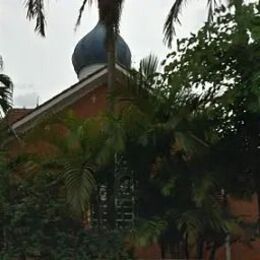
x=64 y=99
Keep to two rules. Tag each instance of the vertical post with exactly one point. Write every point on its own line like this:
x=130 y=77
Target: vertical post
x=111 y=60
x=228 y=247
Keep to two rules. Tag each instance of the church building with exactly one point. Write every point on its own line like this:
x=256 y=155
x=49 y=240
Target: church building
x=88 y=98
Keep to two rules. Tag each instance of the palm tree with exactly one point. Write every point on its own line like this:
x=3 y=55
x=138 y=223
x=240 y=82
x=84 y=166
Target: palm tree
x=35 y=10
x=6 y=90
x=173 y=16
x=109 y=15
x=186 y=211
x=69 y=143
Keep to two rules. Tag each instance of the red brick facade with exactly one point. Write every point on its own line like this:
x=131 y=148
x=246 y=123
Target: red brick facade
x=94 y=103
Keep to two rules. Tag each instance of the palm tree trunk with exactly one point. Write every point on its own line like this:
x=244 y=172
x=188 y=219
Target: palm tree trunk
x=228 y=247
x=111 y=61
x=213 y=251
x=111 y=64
x=162 y=248
x=186 y=247
x=200 y=249
x=258 y=212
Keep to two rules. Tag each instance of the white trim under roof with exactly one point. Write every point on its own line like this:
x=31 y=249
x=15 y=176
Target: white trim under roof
x=58 y=99
x=86 y=71
x=122 y=69
x=54 y=101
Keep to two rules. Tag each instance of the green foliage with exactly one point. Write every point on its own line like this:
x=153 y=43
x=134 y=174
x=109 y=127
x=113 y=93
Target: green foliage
x=222 y=63
x=69 y=158
x=201 y=131
x=147 y=231
x=36 y=222
x=6 y=90
x=187 y=134
x=174 y=14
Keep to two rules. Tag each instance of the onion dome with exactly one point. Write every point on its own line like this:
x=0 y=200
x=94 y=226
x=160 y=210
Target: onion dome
x=91 y=51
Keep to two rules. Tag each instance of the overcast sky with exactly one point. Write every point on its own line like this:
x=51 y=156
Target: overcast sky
x=41 y=67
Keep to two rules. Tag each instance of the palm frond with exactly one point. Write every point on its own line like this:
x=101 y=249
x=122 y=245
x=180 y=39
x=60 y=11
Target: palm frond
x=189 y=223
x=147 y=232
x=110 y=14
x=141 y=81
x=188 y=143
x=149 y=65
x=79 y=183
x=6 y=92
x=1 y=63
x=202 y=188
x=81 y=11
x=172 y=18
x=118 y=13
x=211 y=7
x=35 y=10
x=114 y=139
x=70 y=147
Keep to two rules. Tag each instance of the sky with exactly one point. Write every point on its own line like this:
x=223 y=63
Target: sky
x=41 y=67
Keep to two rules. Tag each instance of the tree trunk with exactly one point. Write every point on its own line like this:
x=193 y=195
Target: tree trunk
x=213 y=251
x=163 y=249
x=111 y=65
x=186 y=247
x=258 y=213
x=228 y=247
x=200 y=249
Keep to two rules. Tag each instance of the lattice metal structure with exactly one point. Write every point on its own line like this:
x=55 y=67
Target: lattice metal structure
x=117 y=199
x=99 y=212
x=124 y=195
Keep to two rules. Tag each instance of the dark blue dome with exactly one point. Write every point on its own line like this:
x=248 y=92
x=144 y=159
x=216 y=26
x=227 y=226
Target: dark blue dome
x=91 y=50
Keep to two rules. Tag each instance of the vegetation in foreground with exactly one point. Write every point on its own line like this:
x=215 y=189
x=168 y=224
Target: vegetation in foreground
x=186 y=135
